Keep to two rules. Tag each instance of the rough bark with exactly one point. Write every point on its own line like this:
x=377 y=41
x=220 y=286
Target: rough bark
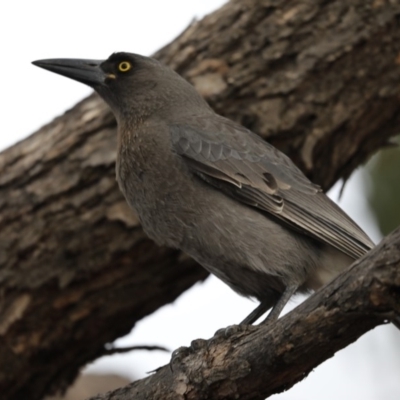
x=263 y=360
x=319 y=79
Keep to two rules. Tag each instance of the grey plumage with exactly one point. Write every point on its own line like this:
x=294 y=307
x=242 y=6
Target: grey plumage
x=206 y=185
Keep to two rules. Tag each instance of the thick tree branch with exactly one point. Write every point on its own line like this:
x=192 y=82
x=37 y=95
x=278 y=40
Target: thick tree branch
x=264 y=360
x=319 y=79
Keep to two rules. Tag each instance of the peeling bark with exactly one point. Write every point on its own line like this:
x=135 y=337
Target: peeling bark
x=319 y=79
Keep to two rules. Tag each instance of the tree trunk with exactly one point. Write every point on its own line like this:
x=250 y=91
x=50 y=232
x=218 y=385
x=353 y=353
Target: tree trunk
x=319 y=79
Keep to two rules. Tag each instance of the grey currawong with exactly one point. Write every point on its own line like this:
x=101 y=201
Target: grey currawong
x=207 y=185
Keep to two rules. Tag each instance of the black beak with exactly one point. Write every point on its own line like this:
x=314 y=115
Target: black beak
x=84 y=71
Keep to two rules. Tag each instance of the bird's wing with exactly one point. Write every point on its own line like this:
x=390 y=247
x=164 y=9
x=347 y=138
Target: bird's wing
x=244 y=166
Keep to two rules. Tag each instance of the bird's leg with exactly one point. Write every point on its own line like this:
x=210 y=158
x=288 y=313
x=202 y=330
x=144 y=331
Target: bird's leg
x=261 y=309
x=278 y=307
x=264 y=306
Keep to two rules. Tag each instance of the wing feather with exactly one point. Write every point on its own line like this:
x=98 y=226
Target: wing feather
x=240 y=163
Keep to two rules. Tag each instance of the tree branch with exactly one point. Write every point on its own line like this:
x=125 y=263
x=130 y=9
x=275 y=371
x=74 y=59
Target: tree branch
x=318 y=79
x=264 y=360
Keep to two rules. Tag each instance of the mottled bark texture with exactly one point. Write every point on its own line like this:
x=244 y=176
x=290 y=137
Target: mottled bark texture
x=319 y=79
x=264 y=360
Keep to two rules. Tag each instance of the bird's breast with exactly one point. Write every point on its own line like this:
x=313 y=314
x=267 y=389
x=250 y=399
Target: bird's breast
x=158 y=187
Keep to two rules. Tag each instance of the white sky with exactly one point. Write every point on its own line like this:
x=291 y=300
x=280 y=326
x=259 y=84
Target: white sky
x=30 y=97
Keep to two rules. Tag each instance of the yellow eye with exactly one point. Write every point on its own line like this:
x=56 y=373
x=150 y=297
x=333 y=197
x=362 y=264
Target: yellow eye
x=124 y=66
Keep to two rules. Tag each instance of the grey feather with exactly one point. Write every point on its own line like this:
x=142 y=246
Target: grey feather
x=268 y=180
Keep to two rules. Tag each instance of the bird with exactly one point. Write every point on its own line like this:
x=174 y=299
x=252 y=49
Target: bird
x=212 y=188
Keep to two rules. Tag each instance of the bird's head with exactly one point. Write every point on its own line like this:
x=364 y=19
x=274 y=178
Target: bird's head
x=130 y=83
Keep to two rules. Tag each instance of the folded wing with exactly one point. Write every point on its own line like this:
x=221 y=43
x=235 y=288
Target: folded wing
x=245 y=167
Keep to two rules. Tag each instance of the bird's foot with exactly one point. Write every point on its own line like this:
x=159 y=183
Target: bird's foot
x=180 y=353
x=230 y=331
x=177 y=356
